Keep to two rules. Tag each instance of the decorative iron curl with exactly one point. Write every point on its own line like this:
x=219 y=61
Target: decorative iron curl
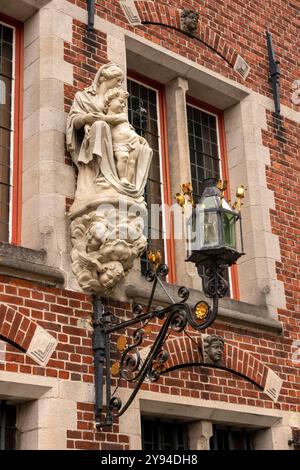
x=214 y=283
x=133 y=368
x=115 y=404
x=150 y=275
x=162 y=270
x=162 y=356
x=131 y=360
x=179 y=320
x=157 y=365
x=137 y=309
x=173 y=314
x=183 y=293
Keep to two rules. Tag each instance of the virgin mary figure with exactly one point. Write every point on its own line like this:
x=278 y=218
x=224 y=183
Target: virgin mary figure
x=90 y=144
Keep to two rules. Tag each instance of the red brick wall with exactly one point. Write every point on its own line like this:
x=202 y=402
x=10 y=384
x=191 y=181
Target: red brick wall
x=283 y=177
x=242 y=26
x=59 y=311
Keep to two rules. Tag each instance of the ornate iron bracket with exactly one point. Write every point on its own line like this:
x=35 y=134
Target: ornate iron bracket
x=91 y=14
x=134 y=367
x=274 y=73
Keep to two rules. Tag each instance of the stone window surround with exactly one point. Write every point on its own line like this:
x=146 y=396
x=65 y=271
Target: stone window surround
x=45 y=404
x=273 y=428
x=46 y=408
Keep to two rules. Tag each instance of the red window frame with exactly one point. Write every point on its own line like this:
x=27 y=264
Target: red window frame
x=16 y=200
x=165 y=165
x=225 y=172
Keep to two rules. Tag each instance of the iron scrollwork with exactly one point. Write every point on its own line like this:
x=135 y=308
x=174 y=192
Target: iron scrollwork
x=137 y=363
x=213 y=282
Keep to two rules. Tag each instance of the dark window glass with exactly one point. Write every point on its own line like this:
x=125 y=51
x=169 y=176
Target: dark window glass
x=6 y=125
x=204 y=148
x=7 y=426
x=204 y=153
x=143 y=115
x=161 y=435
x=227 y=438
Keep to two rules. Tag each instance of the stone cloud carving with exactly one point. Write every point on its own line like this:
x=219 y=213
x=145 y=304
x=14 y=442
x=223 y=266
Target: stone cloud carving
x=213 y=349
x=113 y=164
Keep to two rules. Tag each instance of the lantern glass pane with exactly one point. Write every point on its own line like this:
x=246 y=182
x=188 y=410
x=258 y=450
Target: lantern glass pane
x=210 y=202
x=228 y=221
x=210 y=229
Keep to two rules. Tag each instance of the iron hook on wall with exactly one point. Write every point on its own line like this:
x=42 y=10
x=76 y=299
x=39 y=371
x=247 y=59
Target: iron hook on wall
x=274 y=73
x=91 y=14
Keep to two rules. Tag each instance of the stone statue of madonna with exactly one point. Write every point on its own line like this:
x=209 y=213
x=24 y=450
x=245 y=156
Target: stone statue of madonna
x=90 y=143
x=113 y=163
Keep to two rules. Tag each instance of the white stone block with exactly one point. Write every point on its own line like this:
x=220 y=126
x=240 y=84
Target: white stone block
x=31 y=29
x=31 y=74
x=51 y=67
x=57 y=413
x=55 y=23
x=233 y=118
x=46 y=145
x=254 y=151
x=29 y=440
x=116 y=51
x=41 y=346
x=31 y=52
x=31 y=125
x=79 y=391
x=260 y=195
x=235 y=139
x=52 y=119
x=252 y=134
x=236 y=156
x=49 y=440
x=273 y=385
x=51 y=46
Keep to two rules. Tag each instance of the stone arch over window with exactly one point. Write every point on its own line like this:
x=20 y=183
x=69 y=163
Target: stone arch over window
x=164 y=15
x=186 y=351
x=26 y=335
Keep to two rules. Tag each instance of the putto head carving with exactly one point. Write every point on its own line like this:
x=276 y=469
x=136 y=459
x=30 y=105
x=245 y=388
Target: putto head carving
x=213 y=349
x=189 y=21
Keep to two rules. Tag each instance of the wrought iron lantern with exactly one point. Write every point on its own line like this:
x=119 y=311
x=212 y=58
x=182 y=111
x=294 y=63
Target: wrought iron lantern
x=215 y=246
x=214 y=239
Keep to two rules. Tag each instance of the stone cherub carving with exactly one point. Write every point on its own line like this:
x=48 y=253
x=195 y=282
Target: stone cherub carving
x=189 y=21
x=126 y=142
x=113 y=164
x=213 y=349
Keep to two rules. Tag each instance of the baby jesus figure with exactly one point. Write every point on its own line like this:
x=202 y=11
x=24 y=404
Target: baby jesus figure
x=126 y=142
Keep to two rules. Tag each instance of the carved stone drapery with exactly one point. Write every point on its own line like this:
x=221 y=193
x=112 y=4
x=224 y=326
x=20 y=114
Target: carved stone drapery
x=107 y=216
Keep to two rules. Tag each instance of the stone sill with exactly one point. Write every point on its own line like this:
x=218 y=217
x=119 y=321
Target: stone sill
x=28 y=264
x=232 y=312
